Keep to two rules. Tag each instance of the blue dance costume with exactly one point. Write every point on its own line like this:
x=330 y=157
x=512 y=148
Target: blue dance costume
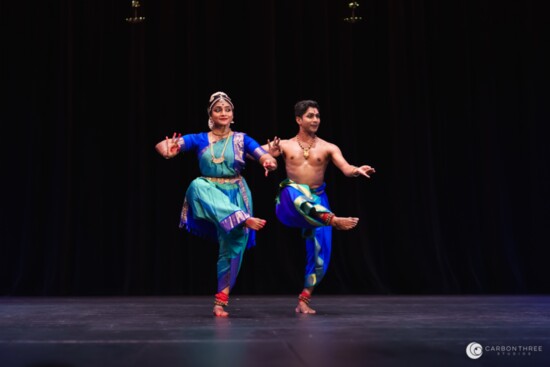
x=218 y=203
x=299 y=206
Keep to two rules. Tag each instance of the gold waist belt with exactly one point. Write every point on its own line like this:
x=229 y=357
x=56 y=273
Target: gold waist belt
x=223 y=179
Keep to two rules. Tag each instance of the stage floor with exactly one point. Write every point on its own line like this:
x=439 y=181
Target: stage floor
x=264 y=331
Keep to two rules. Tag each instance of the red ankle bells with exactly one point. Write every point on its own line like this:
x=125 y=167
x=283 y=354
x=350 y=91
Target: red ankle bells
x=221 y=299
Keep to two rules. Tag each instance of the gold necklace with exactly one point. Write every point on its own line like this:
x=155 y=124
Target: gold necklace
x=221 y=158
x=306 y=150
x=222 y=135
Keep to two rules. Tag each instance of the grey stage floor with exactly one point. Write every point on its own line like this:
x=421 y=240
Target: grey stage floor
x=264 y=331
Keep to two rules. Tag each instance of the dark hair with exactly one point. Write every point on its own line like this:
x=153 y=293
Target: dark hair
x=214 y=98
x=301 y=107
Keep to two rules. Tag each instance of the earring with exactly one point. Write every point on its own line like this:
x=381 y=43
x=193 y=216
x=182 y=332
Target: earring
x=210 y=123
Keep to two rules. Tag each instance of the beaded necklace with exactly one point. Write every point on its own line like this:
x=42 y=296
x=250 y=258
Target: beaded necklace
x=221 y=158
x=221 y=135
x=306 y=149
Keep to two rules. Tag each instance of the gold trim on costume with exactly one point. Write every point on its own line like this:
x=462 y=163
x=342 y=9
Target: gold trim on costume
x=223 y=180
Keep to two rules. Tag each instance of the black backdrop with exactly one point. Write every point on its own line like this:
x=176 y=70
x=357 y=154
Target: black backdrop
x=448 y=100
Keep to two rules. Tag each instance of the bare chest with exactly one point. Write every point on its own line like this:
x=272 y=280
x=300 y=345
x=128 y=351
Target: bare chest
x=297 y=155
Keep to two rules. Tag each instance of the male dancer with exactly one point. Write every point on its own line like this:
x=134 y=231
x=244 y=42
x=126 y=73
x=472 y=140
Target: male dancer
x=302 y=201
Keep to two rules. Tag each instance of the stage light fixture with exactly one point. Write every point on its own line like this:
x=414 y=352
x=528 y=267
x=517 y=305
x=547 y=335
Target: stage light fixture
x=353 y=18
x=136 y=18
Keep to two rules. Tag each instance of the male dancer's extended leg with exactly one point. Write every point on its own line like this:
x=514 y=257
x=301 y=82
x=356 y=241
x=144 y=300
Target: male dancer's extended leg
x=299 y=207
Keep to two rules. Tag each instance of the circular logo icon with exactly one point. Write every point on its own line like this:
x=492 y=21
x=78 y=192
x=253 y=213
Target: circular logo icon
x=474 y=350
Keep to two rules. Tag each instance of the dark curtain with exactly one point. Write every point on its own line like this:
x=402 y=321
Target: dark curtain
x=448 y=100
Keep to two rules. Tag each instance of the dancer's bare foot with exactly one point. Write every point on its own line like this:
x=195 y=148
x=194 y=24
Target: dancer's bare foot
x=304 y=308
x=255 y=223
x=219 y=311
x=344 y=223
